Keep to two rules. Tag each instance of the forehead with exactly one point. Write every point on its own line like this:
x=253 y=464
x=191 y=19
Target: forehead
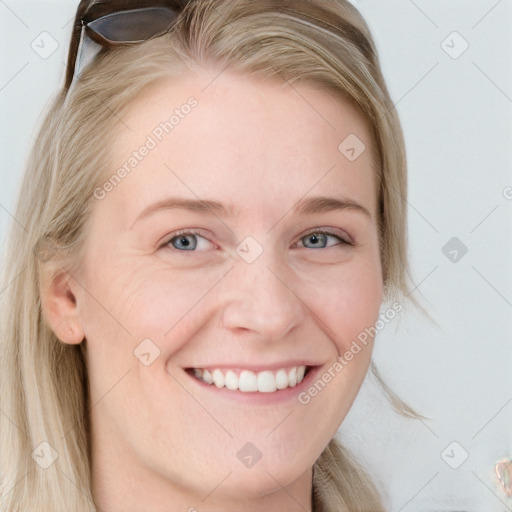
x=241 y=139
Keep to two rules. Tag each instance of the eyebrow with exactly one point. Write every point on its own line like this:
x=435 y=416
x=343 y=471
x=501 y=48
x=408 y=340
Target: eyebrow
x=309 y=205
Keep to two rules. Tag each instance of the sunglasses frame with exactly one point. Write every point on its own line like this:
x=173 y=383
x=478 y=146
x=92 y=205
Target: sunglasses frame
x=90 y=11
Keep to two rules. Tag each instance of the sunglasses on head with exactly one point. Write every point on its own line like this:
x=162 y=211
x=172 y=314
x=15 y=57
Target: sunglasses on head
x=104 y=24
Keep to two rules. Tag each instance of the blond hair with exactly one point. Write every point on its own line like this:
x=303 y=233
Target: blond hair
x=44 y=388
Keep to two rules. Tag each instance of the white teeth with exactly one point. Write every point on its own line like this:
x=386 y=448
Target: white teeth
x=249 y=381
x=281 y=379
x=266 y=382
x=292 y=376
x=218 y=378
x=207 y=376
x=231 y=380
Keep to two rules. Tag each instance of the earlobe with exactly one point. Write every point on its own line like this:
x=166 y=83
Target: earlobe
x=60 y=311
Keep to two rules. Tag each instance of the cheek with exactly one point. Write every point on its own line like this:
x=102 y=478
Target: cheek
x=144 y=300
x=350 y=312
x=347 y=299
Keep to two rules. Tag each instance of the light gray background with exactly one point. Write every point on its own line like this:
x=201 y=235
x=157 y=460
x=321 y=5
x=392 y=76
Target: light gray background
x=456 y=113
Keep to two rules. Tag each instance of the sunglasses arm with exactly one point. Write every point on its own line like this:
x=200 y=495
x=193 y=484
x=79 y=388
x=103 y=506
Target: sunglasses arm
x=87 y=51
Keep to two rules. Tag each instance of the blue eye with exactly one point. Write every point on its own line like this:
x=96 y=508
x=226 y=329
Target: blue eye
x=191 y=241
x=185 y=241
x=319 y=239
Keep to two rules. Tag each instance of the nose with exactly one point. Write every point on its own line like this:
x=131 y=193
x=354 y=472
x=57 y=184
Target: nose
x=260 y=297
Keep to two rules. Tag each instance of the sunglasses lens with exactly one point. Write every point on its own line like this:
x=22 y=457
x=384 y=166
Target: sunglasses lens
x=133 y=26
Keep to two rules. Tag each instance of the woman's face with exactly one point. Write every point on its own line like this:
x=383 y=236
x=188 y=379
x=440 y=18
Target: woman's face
x=252 y=285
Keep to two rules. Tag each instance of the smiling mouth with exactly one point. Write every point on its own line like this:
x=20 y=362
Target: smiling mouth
x=248 y=381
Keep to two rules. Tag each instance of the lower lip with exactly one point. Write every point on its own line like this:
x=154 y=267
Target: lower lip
x=257 y=397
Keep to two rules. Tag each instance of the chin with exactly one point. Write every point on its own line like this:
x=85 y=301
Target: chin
x=263 y=479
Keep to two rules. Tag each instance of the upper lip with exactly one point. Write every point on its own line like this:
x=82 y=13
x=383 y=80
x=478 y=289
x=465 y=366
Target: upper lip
x=255 y=367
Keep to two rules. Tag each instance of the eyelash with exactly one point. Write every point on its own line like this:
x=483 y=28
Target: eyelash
x=326 y=232
x=186 y=232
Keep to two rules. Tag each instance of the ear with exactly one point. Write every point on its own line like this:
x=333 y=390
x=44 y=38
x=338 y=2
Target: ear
x=60 y=310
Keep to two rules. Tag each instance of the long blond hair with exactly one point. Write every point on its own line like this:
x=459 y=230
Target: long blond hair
x=43 y=389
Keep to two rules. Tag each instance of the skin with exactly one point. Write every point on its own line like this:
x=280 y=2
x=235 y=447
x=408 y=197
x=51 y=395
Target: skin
x=159 y=442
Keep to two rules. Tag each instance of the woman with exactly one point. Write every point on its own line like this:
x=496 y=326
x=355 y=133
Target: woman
x=215 y=212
